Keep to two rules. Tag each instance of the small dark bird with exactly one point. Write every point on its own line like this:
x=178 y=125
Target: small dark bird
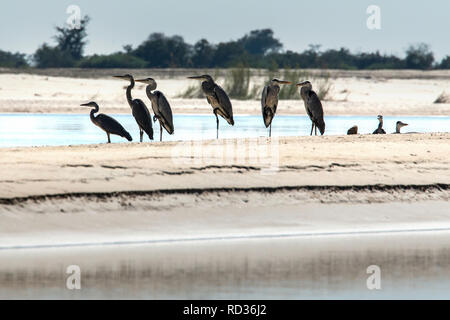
x=399 y=125
x=160 y=105
x=269 y=101
x=352 y=130
x=139 y=110
x=313 y=107
x=217 y=98
x=380 y=129
x=106 y=123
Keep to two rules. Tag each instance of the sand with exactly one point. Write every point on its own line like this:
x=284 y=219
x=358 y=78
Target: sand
x=352 y=93
x=407 y=159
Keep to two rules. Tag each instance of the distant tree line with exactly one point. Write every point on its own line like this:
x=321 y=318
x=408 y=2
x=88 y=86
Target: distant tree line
x=257 y=49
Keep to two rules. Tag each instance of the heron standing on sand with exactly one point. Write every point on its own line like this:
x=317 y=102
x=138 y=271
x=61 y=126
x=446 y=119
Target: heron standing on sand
x=313 y=107
x=139 y=110
x=269 y=101
x=160 y=105
x=106 y=123
x=217 y=98
x=380 y=129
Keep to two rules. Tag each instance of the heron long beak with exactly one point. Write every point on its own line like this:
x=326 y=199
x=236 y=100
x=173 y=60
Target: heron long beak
x=284 y=82
x=119 y=77
x=85 y=105
x=141 y=80
x=300 y=84
x=196 y=77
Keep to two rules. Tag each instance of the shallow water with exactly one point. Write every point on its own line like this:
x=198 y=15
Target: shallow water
x=413 y=266
x=69 y=129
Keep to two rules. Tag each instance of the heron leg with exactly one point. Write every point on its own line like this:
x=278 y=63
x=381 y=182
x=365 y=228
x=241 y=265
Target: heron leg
x=315 y=130
x=109 y=138
x=312 y=128
x=141 y=134
x=217 y=121
x=160 y=131
x=270 y=130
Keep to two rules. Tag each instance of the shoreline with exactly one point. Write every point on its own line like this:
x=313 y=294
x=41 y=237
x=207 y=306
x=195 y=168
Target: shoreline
x=351 y=189
x=240 y=164
x=205 y=113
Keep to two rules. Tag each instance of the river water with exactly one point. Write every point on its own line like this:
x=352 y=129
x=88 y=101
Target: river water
x=69 y=129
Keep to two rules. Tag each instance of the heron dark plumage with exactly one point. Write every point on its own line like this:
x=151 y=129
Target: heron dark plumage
x=107 y=123
x=380 y=129
x=269 y=101
x=217 y=98
x=313 y=107
x=138 y=109
x=160 y=106
x=352 y=130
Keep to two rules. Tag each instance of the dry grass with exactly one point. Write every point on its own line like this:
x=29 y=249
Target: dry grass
x=443 y=98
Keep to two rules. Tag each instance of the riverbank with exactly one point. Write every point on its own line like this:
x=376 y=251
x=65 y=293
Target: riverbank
x=406 y=159
x=351 y=92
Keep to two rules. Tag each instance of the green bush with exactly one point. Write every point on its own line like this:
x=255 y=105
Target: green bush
x=445 y=63
x=12 y=60
x=52 y=57
x=419 y=57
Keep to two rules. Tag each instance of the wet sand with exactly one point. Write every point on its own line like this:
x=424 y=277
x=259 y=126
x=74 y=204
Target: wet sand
x=251 y=252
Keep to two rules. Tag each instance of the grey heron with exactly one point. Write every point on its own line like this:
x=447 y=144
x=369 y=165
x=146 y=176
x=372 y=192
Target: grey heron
x=217 y=98
x=269 y=101
x=138 y=109
x=399 y=125
x=380 y=129
x=106 y=123
x=313 y=106
x=160 y=105
x=352 y=130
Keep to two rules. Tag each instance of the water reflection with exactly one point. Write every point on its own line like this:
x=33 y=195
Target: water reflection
x=411 y=267
x=63 y=129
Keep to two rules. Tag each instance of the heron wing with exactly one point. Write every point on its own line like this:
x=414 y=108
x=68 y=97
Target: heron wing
x=264 y=98
x=315 y=110
x=224 y=103
x=142 y=115
x=314 y=106
x=269 y=102
x=111 y=125
x=165 y=112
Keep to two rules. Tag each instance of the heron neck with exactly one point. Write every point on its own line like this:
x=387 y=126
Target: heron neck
x=380 y=125
x=208 y=87
x=131 y=86
x=93 y=112
x=304 y=90
x=149 y=92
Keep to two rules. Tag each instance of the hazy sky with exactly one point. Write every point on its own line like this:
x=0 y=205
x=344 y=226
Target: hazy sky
x=24 y=25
